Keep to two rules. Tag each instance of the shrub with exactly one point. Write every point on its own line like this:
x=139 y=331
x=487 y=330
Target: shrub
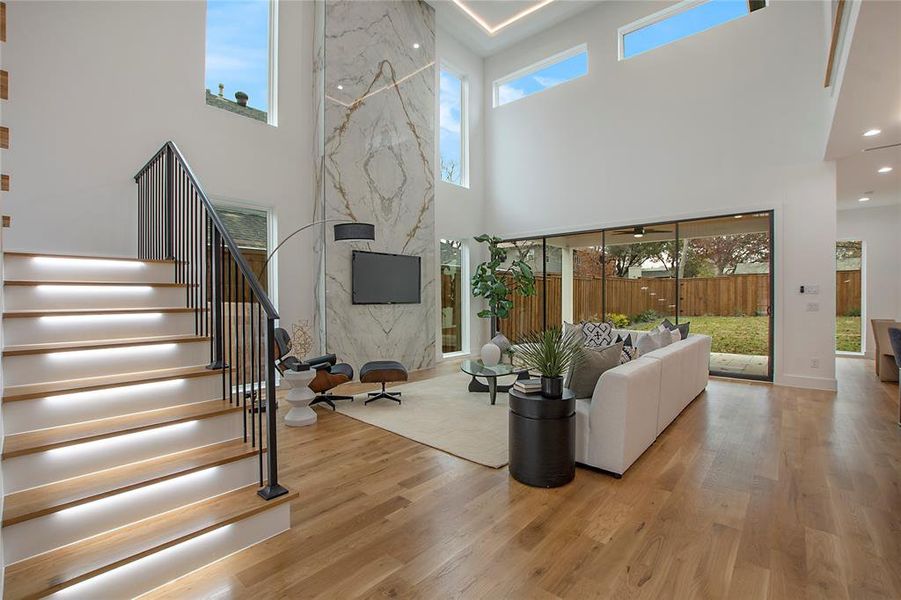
x=854 y=312
x=647 y=316
x=619 y=320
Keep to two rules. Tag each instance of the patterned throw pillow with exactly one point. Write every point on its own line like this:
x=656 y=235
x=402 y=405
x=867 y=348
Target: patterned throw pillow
x=598 y=335
x=629 y=353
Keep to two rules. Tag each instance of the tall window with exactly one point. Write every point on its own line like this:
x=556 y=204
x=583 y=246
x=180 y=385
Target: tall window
x=453 y=292
x=452 y=125
x=679 y=21
x=239 y=51
x=543 y=75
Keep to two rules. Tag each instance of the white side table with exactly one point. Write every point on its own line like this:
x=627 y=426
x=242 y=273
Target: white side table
x=299 y=397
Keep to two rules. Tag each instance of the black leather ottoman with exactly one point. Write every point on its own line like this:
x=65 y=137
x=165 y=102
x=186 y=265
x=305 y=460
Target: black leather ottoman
x=383 y=371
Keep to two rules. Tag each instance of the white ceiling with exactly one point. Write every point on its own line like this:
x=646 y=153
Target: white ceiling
x=870 y=98
x=451 y=16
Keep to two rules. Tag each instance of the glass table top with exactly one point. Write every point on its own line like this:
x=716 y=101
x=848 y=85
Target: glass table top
x=478 y=368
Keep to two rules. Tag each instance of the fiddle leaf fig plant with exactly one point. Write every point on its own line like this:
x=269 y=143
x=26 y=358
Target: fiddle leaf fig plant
x=497 y=280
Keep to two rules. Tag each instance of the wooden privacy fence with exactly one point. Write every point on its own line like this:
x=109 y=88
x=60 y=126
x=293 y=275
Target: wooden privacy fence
x=727 y=296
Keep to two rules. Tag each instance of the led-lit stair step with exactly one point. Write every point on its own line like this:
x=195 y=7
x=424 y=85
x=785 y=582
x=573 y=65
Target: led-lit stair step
x=28 y=349
x=33 y=294
x=19 y=444
x=15 y=393
x=81 y=282
x=87 y=312
x=43 y=500
x=30 y=265
x=67 y=566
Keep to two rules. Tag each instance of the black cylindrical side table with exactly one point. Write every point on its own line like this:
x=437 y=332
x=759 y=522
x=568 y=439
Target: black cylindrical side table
x=542 y=439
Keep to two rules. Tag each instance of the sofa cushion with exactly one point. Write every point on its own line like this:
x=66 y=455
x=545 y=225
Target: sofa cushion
x=598 y=335
x=595 y=361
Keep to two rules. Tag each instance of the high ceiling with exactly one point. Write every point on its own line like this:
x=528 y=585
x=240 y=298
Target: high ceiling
x=489 y=26
x=870 y=98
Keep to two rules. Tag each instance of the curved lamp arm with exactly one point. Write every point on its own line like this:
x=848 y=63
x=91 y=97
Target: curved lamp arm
x=295 y=232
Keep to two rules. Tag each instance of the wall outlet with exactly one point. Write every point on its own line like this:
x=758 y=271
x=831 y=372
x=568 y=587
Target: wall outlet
x=813 y=307
x=814 y=363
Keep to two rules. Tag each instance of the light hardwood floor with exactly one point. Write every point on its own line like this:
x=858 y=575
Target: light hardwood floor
x=754 y=491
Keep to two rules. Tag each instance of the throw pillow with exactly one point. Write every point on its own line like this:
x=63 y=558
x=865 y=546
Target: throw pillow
x=627 y=341
x=567 y=327
x=597 y=335
x=629 y=353
x=682 y=327
x=676 y=335
x=646 y=343
x=662 y=337
x=595 y=361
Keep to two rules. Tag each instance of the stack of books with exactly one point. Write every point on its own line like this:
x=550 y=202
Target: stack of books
x=528 y=386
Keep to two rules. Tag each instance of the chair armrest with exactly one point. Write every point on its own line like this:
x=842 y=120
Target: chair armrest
x=326 y=360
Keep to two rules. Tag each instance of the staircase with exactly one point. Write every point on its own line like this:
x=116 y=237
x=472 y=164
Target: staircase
x=138 y=405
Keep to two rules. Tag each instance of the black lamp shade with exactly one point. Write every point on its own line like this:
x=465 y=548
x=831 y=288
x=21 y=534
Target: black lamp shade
x=351 y=232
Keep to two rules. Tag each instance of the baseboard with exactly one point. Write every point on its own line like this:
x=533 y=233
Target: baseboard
x=808 y=383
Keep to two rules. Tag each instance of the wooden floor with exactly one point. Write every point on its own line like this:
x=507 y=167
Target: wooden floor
x=753 y=492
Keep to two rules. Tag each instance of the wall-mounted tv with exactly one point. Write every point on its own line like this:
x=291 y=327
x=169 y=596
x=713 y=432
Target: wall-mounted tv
x=379 y=278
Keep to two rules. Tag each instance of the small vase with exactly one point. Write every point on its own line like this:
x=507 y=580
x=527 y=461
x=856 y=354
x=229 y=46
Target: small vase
x=491 y=355
x=552 y=387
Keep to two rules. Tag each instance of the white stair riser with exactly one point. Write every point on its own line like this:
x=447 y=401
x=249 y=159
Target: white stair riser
x=39 y=413
x=22 y=472
x=66 y=269
x=152 y=571
x=39 y=330
x=55 y=366
x=34 y=536
x=48 y=297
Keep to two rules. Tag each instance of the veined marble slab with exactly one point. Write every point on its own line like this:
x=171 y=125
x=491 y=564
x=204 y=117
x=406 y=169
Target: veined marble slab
x=378 y=148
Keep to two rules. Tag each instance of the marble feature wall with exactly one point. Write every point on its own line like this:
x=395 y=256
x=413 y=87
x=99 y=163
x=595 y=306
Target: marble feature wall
x=377 y=74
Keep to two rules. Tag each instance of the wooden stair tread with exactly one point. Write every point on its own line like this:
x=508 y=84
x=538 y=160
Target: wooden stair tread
x=14 y=393
x=53 y=497
x=73 y=282
x=24 y=349
x=84 y=257
x=29 y=442
x=65 y=312
x=55 y=570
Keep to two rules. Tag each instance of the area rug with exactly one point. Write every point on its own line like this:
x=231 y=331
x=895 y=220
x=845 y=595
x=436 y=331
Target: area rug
x=441 y=413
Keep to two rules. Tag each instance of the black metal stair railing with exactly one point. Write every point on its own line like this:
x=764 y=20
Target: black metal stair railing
x=177 y=221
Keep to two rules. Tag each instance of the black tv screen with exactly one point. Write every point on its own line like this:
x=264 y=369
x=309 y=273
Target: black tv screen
x=385 y=278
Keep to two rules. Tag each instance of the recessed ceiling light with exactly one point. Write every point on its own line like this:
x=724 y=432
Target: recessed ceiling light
x=416 y=46
x=872 y=132
x=340 y=87
x=864 y=199
x=885 y=170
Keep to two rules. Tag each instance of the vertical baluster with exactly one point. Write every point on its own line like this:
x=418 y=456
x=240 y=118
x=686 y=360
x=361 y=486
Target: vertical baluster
x=272 y=489
x=261 y=357
x=242 y=363
x=253 y=399
x=230 y=298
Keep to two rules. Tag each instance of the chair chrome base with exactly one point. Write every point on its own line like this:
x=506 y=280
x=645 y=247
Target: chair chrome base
x=328 y=399
x=373 y=396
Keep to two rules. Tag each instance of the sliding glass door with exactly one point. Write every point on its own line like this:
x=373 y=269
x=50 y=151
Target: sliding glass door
x=715 y=273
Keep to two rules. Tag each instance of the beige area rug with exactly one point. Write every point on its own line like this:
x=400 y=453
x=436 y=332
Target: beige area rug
x=443 y=414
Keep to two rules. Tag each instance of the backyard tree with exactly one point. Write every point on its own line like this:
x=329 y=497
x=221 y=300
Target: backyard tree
x=726 y=252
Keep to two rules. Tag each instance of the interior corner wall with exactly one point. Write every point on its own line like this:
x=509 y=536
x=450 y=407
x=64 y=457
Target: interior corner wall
x=715 y=123
x=877 y=228
x=459 y=211
x=378 y=163
x=100 y=86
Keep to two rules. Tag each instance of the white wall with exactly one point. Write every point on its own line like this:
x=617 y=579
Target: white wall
x=729 y=120
x=99 y=86
x=878 y=228
x=460 y=210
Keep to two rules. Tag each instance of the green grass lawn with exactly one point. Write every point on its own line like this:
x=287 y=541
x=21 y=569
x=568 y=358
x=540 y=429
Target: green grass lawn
x=749 y=335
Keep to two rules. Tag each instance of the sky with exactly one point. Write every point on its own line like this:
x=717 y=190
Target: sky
x=450 y=96
x=688 y=22
x=237 y=49
x=548 y=77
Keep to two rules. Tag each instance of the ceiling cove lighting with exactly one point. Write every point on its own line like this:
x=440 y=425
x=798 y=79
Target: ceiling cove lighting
x=491 y=30
x=872 y=132
x=64 y=261
x=885 y=170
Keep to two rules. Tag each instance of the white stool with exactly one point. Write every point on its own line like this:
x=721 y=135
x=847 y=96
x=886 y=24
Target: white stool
x=299 y=397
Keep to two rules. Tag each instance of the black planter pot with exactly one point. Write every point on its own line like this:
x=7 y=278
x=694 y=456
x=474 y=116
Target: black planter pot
x=552 y=387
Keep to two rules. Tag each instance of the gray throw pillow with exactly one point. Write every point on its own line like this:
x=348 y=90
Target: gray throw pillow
x=567 y=327
x=645 y=343
x=682 y=327
x=584 y=378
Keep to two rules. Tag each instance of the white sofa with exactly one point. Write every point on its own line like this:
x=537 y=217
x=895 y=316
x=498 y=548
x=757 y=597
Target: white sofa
x=633 y=403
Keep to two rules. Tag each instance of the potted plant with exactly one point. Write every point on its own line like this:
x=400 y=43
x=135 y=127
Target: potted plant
x=497 y=283
x=551 y=353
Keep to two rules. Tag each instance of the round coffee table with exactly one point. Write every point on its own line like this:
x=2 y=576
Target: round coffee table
x=477 y=368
